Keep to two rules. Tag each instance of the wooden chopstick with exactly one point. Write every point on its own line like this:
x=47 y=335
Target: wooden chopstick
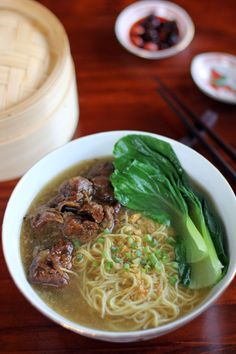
x=224 y=146
x=179 y=111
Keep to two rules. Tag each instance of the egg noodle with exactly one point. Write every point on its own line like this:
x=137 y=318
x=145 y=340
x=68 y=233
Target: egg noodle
x=131 y=274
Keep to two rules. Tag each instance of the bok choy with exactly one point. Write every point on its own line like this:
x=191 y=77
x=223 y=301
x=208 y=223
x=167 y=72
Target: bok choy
x=148 y=177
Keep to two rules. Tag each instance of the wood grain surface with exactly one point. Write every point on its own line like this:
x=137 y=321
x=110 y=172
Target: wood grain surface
x=117 y=91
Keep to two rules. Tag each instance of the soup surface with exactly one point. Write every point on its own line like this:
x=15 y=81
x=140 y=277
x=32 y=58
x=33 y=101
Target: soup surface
x=98 y=263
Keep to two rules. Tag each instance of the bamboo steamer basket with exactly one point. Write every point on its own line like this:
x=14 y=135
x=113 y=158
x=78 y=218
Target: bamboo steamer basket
x=38 y=93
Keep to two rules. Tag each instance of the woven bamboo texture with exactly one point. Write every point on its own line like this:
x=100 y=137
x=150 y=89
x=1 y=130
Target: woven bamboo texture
x=24 y=58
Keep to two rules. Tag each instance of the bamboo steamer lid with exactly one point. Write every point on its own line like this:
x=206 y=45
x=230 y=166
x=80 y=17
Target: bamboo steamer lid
x=38 y=94
x=24 y=58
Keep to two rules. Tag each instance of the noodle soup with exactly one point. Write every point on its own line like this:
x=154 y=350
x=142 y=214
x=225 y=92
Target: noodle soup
x=122 y=278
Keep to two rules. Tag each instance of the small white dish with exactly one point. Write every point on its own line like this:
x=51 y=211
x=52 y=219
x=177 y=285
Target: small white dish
x=164 y=9
x=215 y=74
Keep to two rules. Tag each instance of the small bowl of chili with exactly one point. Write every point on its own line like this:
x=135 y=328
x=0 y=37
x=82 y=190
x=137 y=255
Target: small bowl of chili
x=154 y=29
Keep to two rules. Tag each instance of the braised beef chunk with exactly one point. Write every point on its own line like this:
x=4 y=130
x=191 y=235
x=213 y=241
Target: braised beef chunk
x=93 y=209
x=55 y=201
x=76 y=188
x=46 y=267
x=82 y=230
x=63 y=249
x=69 y=206
x=82 y=208
x=103 y=191
x=99 y=175
x=45 y=216
x=101 y=169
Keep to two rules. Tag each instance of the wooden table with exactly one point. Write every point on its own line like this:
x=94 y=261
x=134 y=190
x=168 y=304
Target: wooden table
x=117 y=91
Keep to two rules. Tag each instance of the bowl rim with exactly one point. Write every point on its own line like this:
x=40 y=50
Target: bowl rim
x=160 y=54
x=73 y=326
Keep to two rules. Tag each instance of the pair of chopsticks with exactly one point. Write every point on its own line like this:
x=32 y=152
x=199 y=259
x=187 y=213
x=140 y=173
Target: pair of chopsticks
x=195 y=126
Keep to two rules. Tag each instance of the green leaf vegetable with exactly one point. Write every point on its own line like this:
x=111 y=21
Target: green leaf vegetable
x=148 y=177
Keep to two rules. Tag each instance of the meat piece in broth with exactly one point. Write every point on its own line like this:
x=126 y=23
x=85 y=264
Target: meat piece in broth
x=99 y=174
x=103 y=191
x=101 y=169
x=94 y=210
x=63 y=249
x=45 y=216
x=82 y=208
x=76 y=188
x=47 y=266
x=82 y=230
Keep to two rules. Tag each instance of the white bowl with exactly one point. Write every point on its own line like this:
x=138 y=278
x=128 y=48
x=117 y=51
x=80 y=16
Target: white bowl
x=215 y=74
x=98 y=145
x=165 y=9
